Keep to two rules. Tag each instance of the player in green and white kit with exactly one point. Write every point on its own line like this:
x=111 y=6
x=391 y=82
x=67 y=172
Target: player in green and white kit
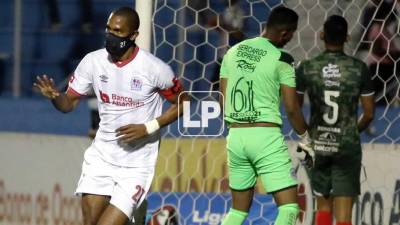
x=254 y=74
x=335 y=82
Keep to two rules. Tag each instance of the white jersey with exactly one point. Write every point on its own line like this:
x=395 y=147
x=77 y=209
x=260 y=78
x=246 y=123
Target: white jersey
x=127 y=93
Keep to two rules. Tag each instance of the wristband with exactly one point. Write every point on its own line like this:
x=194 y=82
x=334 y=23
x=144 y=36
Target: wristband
x=304 y=135
x=152 y=126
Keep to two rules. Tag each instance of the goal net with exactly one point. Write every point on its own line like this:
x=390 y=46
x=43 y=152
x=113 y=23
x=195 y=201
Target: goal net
x=191 y=184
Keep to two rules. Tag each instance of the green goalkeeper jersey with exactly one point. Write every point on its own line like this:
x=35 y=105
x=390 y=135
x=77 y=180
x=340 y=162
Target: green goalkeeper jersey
x=255 y=69
x=334 y=83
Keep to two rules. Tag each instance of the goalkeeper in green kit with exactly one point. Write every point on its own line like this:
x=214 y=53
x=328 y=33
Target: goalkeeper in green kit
x=254 y=74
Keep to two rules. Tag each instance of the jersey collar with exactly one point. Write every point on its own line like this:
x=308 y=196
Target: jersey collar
x=334 y=52
x=128 y=60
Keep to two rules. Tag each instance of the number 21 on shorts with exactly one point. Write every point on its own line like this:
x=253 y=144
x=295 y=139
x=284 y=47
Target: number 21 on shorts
x=138 y=194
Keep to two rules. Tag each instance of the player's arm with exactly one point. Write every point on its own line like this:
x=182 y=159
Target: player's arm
x=64 y=102
x=367 y=99
x=368 y=106
x=80 y=83
x=222 y=88
x=300 y=99
x=300 y=84
x=175 y=96
x=296 y=119
x=287 y=80
x=223 y=79
x=293 y=110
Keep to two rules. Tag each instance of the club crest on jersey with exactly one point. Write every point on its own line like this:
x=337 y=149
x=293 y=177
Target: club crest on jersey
x=136 y=84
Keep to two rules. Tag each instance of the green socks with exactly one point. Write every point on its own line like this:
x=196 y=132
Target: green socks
x=234 y=217
x=287 y=214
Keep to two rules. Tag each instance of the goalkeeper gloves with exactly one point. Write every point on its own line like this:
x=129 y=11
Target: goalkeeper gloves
x=305 y=145
x=305 y=158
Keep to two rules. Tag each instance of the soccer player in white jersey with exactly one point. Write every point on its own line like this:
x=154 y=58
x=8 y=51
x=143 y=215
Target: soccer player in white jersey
x=119 y=165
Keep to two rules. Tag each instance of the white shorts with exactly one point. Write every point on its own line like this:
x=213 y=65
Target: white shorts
x=127 y=186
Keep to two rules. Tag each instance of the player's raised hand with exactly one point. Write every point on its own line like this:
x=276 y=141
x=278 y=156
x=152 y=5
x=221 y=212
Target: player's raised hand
x=46 y=86
x=131 y=132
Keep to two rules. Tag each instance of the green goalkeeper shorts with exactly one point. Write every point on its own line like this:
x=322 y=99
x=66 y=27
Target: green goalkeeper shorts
x=259 y=151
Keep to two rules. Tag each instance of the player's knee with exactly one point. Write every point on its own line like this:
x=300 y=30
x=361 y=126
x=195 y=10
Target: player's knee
x=290 y=209
x=88 y=220
x=287 y=214
x=88 y=217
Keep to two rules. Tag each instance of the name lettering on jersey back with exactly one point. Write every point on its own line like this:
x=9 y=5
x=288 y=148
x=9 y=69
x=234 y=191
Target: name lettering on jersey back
x=250 y=53
x=330 y=129
x=120 y=100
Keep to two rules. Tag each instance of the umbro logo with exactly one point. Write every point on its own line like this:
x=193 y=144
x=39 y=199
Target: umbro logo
x=103 y=78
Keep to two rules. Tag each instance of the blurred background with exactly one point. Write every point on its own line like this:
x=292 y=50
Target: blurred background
x=51 y=37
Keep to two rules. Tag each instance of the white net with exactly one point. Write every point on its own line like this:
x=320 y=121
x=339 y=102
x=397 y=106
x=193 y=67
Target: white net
x=374 y=38
x=192 y=36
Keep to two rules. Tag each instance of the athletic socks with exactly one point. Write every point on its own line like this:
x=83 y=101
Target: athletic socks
x=324 y=218
x=234 y=217
x=287 y=214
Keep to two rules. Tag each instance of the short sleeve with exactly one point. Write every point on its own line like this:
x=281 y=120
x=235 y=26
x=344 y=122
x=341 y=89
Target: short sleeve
x=300 y=80
x=285 y=70
x=164 y=77
x=223 y=72
x=367 y=87
x=81 y=80
x=169 y=86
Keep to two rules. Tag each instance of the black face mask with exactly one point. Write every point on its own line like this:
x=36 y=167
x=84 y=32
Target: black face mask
x=116 y=46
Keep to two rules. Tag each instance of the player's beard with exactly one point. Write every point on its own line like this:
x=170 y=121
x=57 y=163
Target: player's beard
x=116 y=46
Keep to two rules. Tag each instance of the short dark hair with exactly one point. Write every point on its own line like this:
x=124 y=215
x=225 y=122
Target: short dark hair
x=130 y=14
x=283 y=18
x=335 y=29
